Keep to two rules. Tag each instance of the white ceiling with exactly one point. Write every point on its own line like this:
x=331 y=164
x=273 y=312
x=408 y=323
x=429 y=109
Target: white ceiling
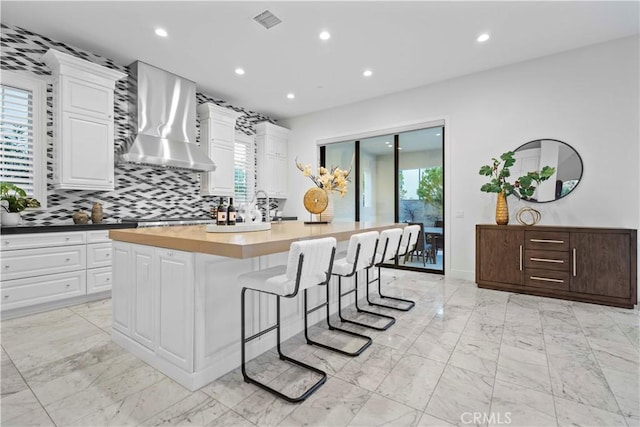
x=406 y=44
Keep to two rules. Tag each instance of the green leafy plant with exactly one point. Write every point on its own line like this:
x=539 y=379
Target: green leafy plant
x=16 y=197
x=523 y=187
x=430 y=188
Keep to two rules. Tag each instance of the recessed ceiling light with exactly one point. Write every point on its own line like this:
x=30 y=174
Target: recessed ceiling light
x=161 y=32
x=240 y=71
x=291 y=95
x=367 y=73
x=483 y=37
x=325 y=35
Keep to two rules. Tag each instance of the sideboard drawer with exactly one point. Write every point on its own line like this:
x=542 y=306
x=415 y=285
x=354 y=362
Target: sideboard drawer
x=546 y=240
x=546 y=260
x=41 y=240
x=98 y=236
x=36 y=290
x=549 y=279
x=99 y=255
x=38 y=262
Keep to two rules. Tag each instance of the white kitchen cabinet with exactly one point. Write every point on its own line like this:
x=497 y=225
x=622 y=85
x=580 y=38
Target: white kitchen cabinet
x=217 y=139
x=272 y=164
x=154 y=301
x=83 y=122
x=39 y=268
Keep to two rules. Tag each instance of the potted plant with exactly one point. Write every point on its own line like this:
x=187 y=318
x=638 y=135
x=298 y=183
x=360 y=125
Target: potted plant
x=14 y=200
x=523 y=187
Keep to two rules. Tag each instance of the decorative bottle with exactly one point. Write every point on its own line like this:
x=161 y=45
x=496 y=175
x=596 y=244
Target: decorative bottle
x=222 y=214
x=231 y=213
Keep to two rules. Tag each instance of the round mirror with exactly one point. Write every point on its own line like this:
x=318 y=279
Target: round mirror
x=534 y=155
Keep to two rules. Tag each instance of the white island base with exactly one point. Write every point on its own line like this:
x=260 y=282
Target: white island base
x=180 y=311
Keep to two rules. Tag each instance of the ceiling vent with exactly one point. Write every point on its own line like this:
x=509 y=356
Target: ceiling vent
x=267 y=19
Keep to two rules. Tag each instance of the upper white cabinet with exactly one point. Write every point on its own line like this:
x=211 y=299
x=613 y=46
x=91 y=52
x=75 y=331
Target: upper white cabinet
x=83 y=146
x=217 y=139
x=271 y=142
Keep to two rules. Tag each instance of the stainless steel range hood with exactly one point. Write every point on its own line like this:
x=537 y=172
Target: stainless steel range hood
x=162 y=116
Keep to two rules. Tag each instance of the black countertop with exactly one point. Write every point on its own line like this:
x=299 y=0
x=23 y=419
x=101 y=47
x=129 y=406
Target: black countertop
x=25 y=228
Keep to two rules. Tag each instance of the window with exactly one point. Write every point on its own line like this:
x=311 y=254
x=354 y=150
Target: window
x=245 y=167
x=23 y=134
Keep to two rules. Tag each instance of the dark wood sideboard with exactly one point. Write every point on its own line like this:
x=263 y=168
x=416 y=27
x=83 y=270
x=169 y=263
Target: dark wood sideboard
x=596 y=265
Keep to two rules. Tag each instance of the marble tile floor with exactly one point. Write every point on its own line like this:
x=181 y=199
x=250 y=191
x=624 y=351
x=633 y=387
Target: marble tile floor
x=462 y=356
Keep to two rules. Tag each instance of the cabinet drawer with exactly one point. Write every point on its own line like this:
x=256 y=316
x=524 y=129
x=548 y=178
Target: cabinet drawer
x=36 y=290
x=98 y=280
x=547 y=240
x=98 y=236
x=99 y=255
x=37 y=262
x=546 y=260
x=549 y=279
x=42 y=240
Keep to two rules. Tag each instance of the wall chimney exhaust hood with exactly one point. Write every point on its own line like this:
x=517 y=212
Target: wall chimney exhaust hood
x=162 y=118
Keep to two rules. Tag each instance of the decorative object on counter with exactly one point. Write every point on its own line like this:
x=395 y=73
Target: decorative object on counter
x=534 y=216
x=327 y=181
x=96 y=213
x=524 y=187
x=16 y=201
x=221 y=213
x=80 y=217
x=213 y=212
x=231 y=213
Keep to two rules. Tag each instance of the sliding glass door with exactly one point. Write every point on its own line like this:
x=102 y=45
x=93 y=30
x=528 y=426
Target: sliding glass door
x=398 y=177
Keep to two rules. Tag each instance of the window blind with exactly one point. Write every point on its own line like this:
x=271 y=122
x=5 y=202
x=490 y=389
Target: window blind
x=16 y=138
x=244 y=170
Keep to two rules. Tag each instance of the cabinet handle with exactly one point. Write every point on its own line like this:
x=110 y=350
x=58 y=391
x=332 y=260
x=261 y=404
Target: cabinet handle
x=6 y=242
x=68 y=285
x=6 y=296
x=547 y=241
x=66 y=239
x=6 y=267
x=520 y=257
x=556 y=261
x=575 y=270
x=67 y=260
x=108 y=254
x=546 y=279
x=108 y=279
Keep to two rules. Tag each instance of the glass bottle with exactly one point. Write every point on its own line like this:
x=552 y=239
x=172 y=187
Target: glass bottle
x=231 y=213
x=222 y=213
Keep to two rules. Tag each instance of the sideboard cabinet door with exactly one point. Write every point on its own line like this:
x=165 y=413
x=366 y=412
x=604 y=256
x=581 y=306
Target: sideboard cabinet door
x=499 y=253
x=601 y=264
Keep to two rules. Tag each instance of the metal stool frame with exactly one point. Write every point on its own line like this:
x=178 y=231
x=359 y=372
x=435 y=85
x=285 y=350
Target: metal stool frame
x=410 y=303
x=282 y=356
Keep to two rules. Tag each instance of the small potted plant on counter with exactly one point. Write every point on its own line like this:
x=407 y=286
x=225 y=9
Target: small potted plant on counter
x=14 y=200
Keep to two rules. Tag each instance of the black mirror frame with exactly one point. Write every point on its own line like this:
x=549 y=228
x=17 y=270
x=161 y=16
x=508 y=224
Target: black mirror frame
x=579 y=179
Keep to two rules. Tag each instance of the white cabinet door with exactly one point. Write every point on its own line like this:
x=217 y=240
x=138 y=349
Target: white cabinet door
x=122 y=278
x=37 y=290
x=221 y=181
x=83 y=97
x=175 y=304
x=144 y=297
x=98 y=255
x=85 y=158
x=40 y=262
x=271 y=142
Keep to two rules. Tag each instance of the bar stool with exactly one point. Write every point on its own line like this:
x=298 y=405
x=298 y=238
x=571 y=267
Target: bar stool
x=360 y=256
x=388 y=248
x=360 y=253
x=309 y=264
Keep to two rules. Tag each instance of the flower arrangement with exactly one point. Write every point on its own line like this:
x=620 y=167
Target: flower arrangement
x=335 y=179
x=523 y=187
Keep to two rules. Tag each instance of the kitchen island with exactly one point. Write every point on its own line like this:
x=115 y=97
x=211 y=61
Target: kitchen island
x=176 y=296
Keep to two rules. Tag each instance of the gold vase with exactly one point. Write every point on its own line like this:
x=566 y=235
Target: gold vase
x=502 y=210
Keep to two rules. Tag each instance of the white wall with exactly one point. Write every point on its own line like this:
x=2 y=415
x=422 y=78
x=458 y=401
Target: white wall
x=586 y=97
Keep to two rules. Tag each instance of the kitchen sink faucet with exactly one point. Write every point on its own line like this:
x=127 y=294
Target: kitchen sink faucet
x=268 y=206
